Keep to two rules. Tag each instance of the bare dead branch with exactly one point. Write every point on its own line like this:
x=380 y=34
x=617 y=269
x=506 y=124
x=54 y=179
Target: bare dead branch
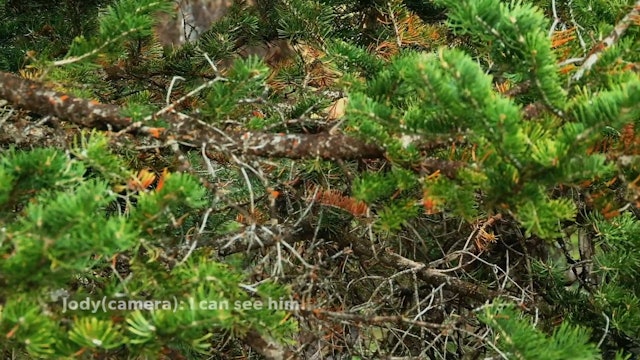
x=32 y=96
x=372 y=320
x=35 y=97
x=429 y=275
x=269 y=236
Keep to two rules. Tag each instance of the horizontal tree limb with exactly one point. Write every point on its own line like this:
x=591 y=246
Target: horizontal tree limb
x=372 y=319
x=35 y=97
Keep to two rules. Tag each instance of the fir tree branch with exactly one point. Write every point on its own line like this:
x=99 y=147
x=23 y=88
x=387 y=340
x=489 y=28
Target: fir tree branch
x=35 y=97
x=32 y=96
x=614 y=36
x=97 y=50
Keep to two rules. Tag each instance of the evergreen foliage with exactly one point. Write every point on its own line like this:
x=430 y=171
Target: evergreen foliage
x=320 y=178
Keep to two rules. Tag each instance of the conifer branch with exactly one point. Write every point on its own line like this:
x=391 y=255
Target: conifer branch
x=614 y=36
x=97 y=50
x=35 y=97
x=109 y=39
x=32 y=96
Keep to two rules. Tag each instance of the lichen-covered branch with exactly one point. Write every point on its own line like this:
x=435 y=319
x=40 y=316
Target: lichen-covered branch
x=35 y=97
x=607 y=42
x=32 y=96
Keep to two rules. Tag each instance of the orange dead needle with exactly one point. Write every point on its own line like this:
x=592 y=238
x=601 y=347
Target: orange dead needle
x=163 y=177
x=274 y=193
x=155 y=132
